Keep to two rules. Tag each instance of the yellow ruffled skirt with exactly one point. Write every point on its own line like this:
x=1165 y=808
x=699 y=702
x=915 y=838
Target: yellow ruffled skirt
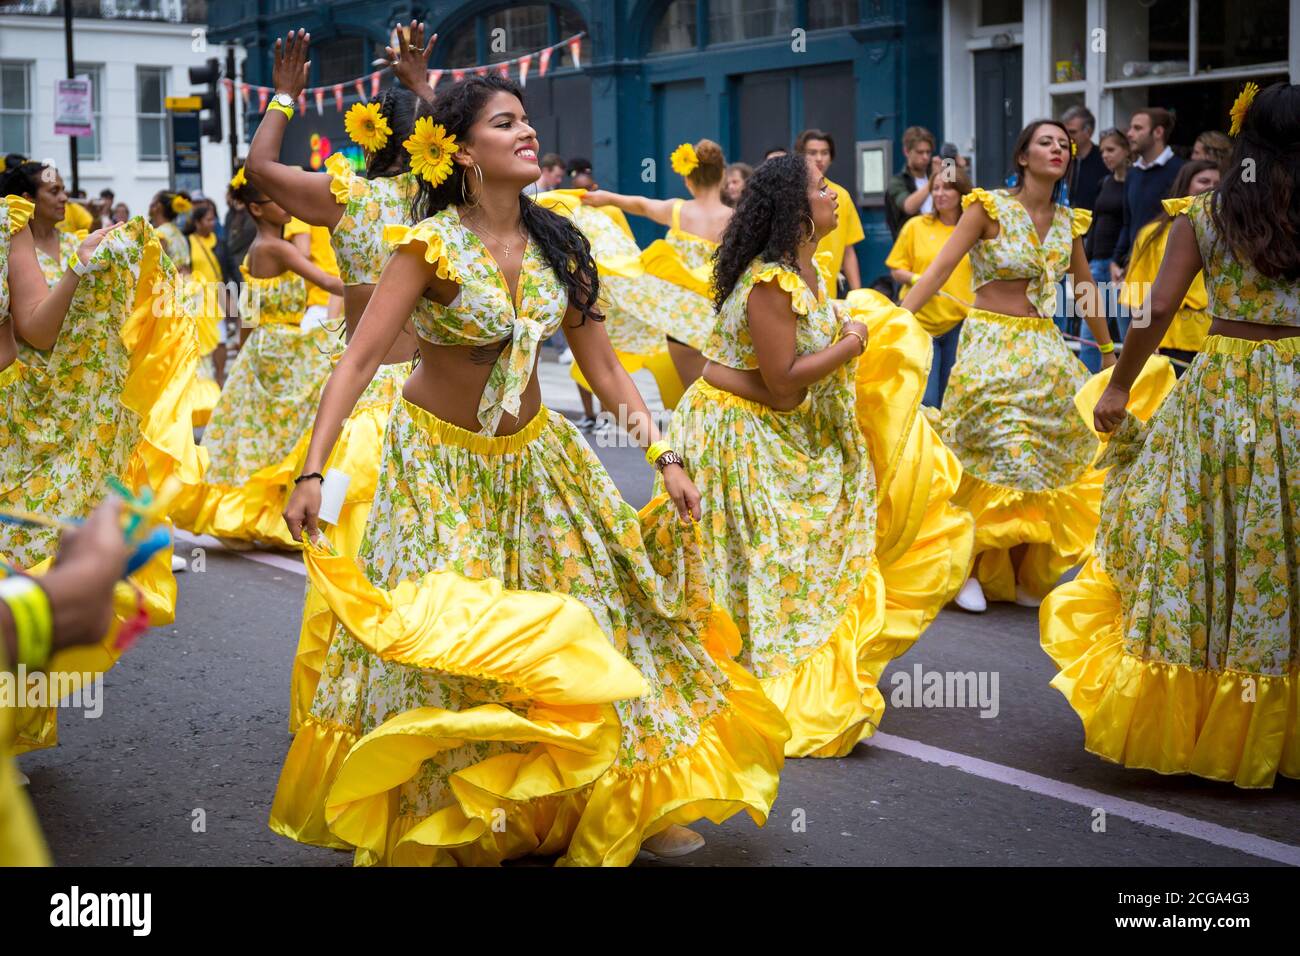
x=21 y=841
x=268 y=403
x=357 y=453
x=661 y=367
x=443 y=731
x=1176 y=642
x=673 y=297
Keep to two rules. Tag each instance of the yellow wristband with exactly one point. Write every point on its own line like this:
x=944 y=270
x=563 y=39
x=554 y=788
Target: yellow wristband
x=33 y=622
x=1107 y=348
x=656 y=451
x=286 y=110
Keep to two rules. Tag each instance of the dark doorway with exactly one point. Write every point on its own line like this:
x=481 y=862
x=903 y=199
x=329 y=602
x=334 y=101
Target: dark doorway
x=998 y=107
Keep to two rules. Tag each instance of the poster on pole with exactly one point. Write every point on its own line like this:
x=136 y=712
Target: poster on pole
x=73 y=115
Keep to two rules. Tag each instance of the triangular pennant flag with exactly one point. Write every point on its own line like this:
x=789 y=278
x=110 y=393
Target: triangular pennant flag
x=575 y=48
x=482 y=71
x=361 y=90
x=434 y=77
x=524 y=62
x=320 y=100
x=457 y=75
x=263 y=94
x=302 y=102
x=338 y=97
x=545 y=61
x=504 y=68
x=374 y=84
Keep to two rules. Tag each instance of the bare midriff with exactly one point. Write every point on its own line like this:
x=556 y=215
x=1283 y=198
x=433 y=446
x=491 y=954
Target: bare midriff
x=1005 y=297
x=1253 y=331
x=448 y=382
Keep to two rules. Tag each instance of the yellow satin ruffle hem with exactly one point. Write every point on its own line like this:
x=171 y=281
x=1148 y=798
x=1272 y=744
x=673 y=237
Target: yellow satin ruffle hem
x=1232 y=726
x=545 y=649
x=661 y=367
x=21 y=840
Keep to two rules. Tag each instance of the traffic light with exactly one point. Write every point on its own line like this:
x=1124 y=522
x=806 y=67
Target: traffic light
x=210 y=102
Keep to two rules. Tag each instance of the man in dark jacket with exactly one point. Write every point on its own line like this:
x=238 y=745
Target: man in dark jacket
x=909 y=189
x=1089 y=170
x=1149 y=178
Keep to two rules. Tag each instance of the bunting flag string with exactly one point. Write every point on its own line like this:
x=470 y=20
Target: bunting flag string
x=520 y=65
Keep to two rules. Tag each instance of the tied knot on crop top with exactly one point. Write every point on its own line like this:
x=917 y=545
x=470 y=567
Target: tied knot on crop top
x=368 y=205
x=1235 y=288
x=482 y=311
x=1016 y=252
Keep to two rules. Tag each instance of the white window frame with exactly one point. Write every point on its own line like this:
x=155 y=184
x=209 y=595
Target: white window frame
x=164 y=72
x=26 y=67
x=96 y=72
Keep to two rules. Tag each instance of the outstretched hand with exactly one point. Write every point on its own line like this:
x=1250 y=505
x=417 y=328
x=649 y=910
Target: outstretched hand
x=290 y=70
x=410 y=61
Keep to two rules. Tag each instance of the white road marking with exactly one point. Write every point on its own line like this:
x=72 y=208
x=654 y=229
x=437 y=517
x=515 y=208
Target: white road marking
x=1126 y=809
x=1247 y=843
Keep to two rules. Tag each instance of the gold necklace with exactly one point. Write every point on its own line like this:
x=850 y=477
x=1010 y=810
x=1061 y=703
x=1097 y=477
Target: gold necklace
x=505 y=247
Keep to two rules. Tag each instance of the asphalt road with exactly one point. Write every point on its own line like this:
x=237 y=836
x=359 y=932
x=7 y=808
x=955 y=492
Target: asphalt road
x=194 y=730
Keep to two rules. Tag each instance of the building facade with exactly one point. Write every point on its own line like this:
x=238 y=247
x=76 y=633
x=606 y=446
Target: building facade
x=136 y=53
x=749 y=74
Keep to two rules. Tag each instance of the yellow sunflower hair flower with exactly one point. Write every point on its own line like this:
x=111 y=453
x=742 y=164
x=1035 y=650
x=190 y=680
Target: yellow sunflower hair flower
x=239 y=180
x=431 y=148
x=1074 y=147
x=1240 y=107
x=684 y=160
x=181 y=205
x=367 y=126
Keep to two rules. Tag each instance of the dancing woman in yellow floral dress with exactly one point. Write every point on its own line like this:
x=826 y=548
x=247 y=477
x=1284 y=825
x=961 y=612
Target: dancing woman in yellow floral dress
x=1009 y=412
x=790 y=492
x=1177 y=641
x=442 y=733
x=678 y=266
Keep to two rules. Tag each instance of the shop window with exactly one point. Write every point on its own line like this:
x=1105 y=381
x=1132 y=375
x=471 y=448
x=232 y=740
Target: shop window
x=675 y=30
x=733 y=20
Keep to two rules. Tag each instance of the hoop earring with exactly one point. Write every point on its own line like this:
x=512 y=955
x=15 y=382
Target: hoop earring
x=464 y=198
x=812 y=228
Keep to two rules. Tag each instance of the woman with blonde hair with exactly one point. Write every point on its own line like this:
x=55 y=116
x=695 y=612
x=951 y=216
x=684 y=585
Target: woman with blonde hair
x=679 y=265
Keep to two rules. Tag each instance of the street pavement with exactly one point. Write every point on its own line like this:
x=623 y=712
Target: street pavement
x=181 y=767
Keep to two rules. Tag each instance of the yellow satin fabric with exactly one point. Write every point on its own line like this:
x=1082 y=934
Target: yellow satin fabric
x=661 y=367
x=21 y=841
x=660 y=259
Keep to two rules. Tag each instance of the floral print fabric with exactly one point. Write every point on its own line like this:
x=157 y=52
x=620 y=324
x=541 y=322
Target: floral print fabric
x=368 y=205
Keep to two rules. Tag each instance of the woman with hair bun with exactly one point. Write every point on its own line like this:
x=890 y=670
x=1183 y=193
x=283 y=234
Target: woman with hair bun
x=523 y=664
x=164 y=210
x=677 y=267
x=1177 y=640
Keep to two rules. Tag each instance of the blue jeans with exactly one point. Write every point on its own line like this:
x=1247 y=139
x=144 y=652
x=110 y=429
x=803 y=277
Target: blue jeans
x=1088 y=353
x=945 y=355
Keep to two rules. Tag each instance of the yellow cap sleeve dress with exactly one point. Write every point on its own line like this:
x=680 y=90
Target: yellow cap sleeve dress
x=1176 y=642
x=361 y=252
x=124 y=365
x=679 y=270
x=202 y=295
x=626 y=300
x=538 y=722
x=268 y=402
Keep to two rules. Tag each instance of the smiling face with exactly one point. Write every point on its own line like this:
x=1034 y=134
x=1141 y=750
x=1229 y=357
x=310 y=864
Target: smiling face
x=822 y=202
x=502 y=143
x=1047 y=152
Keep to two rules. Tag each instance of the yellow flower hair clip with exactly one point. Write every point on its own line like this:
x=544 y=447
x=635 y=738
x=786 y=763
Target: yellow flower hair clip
x=1240 y=106
x=239 y=180
x=367 y=126
x=431 y=148
x=684 y=160
x=1074 y=148
x=181 y=205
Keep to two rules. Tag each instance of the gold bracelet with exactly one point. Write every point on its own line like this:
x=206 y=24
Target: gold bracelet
x=33 y=621
x=859 y=336
x=1107 y=348
x=656 y=451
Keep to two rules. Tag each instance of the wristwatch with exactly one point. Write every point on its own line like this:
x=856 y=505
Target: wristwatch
x=282 y=102
x=668 y=458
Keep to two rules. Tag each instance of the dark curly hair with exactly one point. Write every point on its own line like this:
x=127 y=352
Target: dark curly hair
x=21 y=176
x=1258 y=214
x=566 y=249
x=768 y=223
x=401 y=108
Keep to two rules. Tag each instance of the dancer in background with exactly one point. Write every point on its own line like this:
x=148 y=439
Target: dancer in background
x=498 y=724
x=679 y=265
x=206 y=298
x=1177 y=640
x=164 y=209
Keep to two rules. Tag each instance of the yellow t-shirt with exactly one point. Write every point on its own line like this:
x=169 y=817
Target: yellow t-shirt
x=76 y=217
x=322 y=254
x=917 y=245
x=847 y=231
x=1191 y=324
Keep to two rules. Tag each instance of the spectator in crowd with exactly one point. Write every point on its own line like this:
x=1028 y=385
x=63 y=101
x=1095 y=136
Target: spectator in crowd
x=240 y=231
x=1089 y=168
x=909 y=189
x=206 y=254
x=1154 y=168
x=917 y=245
x=580 y=174
x=733 y=182
x=1099 y=243
x=818 y=146
x=1214 y=146
x=121 y=213
x=550 y=177
x=164 y=210
x=775 y=151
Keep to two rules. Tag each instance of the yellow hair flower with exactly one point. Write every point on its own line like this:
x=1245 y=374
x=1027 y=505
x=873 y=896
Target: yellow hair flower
x=239 y=180
x=1074 y=148
x=181 y=205
x=684 y=160
x=1240 y=106
x=367 y=126
x=431 y=149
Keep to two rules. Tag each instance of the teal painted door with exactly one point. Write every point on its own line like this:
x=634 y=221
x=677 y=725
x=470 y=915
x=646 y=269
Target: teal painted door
x=999 y=103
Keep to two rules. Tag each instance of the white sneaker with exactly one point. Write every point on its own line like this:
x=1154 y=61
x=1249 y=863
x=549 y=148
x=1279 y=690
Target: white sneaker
x=566 y=357
x=179 y=563
x=673 y=842
x=971 y=597
x=1025 y=599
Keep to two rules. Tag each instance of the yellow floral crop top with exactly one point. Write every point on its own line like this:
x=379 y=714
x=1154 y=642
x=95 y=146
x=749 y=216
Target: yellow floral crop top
x=14 y=213
x=276 y=300
x=1016 y=253
x=368 y=206
x=482 y=312
x=731 y=343
x=1236 y=290
x=696 y=251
